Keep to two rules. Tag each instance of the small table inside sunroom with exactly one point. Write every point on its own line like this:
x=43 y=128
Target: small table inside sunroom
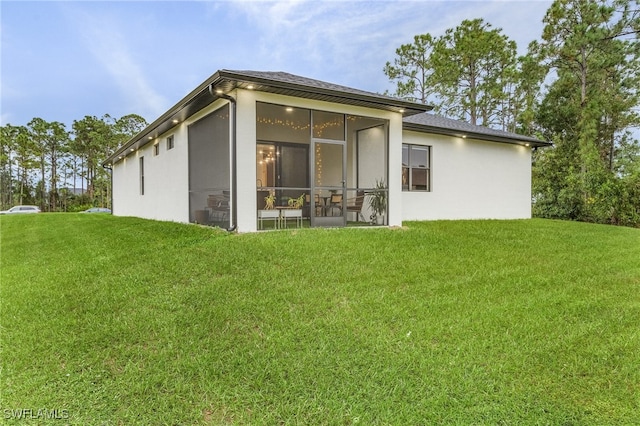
x=269 y=214
x=287 y=213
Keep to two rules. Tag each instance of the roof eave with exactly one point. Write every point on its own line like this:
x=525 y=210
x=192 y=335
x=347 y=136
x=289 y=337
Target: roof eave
x=524 y=140
x=407 y=108
x=166 y=121
x=228 y=80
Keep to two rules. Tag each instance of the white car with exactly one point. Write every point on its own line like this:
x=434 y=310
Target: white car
x=21 y=210
x=97 y=210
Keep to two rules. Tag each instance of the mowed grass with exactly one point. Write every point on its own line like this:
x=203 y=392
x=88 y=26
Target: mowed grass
x=127 y=321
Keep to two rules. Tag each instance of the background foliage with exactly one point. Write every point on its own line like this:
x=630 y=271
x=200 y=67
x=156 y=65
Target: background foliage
x=47 y=165
x=576 y=87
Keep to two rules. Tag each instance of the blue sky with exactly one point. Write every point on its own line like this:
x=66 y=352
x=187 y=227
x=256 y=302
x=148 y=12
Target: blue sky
x=62 y=60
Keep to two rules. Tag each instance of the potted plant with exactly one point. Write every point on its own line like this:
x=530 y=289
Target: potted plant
x=296 y=203
x=378 y=203
x=269 y=201
x=294 y=211
x=269 y=212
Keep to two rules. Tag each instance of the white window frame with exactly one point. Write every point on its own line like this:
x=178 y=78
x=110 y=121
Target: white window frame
x=407 y=179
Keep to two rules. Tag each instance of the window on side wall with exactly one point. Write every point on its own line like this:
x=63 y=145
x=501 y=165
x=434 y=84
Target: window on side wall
x=416 y=167
x=170 y=142
x=141 y=175
x=156 y=149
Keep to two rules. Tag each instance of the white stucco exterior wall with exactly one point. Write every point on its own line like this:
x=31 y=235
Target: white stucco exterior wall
x=471 y=179
x=166 y=188
x=246 y=160
x=166 y=192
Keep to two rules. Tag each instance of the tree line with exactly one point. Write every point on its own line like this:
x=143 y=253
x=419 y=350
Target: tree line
x=578 y=87
x=45 y=164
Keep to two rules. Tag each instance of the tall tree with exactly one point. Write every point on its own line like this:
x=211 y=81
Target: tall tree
x=56 y=143
x=469 y=73
x=588 y=111
x=527 y=91
x=50 y=139
x=25 y=161
x=36 y=158
x=122 y=130
x=38 y=132
x=92 y=137
x=8 y=135
x=475 y=67
x=126 y=127
x=94 y=140
x=412 y=69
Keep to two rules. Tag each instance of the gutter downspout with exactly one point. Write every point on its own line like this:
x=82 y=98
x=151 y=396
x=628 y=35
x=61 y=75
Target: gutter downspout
x=234 y=179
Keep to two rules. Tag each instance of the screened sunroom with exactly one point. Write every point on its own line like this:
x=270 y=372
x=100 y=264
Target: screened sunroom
x=319 y=168
x=209 y=169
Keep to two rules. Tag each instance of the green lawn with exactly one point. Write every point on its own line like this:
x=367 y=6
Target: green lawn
x=125 y=321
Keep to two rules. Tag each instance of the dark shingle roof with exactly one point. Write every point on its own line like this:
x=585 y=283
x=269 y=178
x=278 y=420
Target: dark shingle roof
x=292 y=79
x=415 y=117
x=432 y=123
x=266 y=81
x=295 y=85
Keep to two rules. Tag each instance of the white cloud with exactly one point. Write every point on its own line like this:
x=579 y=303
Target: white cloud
x=351 y=41
x=123 y=57
x=107 y=42
x=320 y=36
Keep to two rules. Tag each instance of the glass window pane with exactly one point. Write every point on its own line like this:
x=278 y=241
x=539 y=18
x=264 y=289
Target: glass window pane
x=279 y=123
x=294 y=166
x=405 y=178
x=419 y=156
x=419 y=179
x=405 y=155
x=328 y=125
x=266 y=165
x=370 y=162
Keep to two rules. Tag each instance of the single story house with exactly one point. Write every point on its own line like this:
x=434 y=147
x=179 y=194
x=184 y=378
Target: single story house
x=237 y=150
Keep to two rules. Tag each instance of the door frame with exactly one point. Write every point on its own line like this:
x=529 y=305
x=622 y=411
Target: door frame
x=328 y=221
